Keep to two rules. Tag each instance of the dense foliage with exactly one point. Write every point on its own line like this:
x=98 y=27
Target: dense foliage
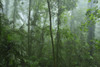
x=49 y=33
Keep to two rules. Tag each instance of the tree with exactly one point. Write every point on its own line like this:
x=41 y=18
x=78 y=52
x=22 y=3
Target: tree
x=29 y=45
x=61 y=4
x=91 y=28
x=53 y=51
x=1 y=6
x=6 y=7
x=14 y=13
x=58 y=43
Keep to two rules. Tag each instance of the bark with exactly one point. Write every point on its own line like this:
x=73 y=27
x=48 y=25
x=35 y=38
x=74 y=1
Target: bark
x=53 y=51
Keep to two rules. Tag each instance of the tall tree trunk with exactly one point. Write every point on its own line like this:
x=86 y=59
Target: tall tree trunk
x=53 y=51
x=1 y=10
x=33 y=25
x=1 y=7
x=42 y=39
x=7 y=7
x=72 y=23
x=14 y=13
x=29 y=45
x=58 y=42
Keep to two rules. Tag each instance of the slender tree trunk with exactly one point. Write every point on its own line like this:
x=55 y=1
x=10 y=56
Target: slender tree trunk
x=14 y=14
x=0 y=17
x=29 y=45
x=33 y=26
x=72 y=23
x=7 y=7
x=53 y=51
x=1 y=7
x=42 y=38
x=58 y=42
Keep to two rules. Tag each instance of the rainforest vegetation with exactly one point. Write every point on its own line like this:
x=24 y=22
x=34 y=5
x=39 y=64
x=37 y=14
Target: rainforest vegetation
x=49 y=33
